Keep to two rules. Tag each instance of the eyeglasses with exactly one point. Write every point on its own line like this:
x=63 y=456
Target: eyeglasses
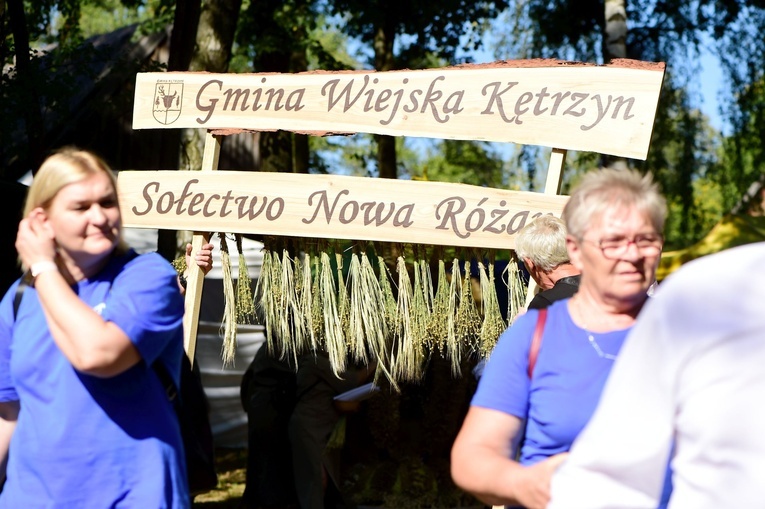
x=616 y=247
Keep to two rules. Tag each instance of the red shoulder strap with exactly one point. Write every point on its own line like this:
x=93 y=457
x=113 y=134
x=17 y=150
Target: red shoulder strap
x=536 y=341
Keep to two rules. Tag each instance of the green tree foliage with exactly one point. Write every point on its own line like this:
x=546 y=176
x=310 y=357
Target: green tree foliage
x=48 y=58
x=683 y=148
x=296 y=35
x=463 y=161
x=443 y=27
x=419 y=28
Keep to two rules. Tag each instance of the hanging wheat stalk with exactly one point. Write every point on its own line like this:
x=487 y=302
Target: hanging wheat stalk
x=441 y=324
x=493 y=324
x=375 y=323
x=228 y=325
x=245 y=304
x=312 y=302
x=438 y=322
x=265 y=299
x=292 y=325
x=280 y=326
x=467 y=321
x=408 y=360
x=403 y=330
x=420 y=313
x=424 y=316
x=386 y=292
x=367 y=311
x=453 y=345
x=333 y=329
x=305 y=300
x=355 y=335
x=318 y=337
x=516 y=289
x=300 y=321
x=343 y=300
x=388 y=301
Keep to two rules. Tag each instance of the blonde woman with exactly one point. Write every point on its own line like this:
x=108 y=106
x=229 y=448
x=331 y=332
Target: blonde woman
x=84 y=420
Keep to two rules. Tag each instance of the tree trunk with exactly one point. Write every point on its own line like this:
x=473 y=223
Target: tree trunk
x=215 y=35
x=208 y=42
x=614 y=46
x=282 y=151
x=182 y=38
x=384 y=61
x=25 y=77
x=212 y=43
x=615 y=37
x=300 y=150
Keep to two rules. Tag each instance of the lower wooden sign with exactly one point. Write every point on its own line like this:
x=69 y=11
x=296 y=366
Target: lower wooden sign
x=330 y=206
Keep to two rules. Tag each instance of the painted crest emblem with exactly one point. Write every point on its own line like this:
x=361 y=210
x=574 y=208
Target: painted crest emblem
x=168 y=98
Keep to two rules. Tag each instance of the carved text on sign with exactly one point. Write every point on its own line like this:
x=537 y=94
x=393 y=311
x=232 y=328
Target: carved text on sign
x=606 y=109
x=330 y=206
x=442 y=105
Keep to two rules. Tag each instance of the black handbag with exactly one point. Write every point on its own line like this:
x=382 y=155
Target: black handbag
x=192 y=408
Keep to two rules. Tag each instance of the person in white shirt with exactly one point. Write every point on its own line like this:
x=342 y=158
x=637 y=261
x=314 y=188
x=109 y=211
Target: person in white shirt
x=691 y=374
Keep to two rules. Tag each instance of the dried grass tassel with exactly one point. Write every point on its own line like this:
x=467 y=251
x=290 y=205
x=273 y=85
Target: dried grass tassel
x=318 y=337
x=420 y=313
x=266 y=302
x=355 y=334
x=384 y=355
x=280 y=328
x=343 y=302
x=468 y=321
x=386 y=291
x=516 y=289
x=333 y=329
x=291 y=323
x=453 y=345
x=305 y=295
x=406 y=364
x=493 y=325
x=228 y=326
x=245 y=303
x=373 y=312
x=438 y=322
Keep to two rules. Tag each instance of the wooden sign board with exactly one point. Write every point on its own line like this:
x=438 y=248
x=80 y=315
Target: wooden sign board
x=333 y=207
x=606 y=109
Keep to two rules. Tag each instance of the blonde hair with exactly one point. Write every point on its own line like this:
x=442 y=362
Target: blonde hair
x=606 y=189
x=66 y=166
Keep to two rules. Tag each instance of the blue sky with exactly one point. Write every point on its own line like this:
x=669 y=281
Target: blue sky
x=711 y=82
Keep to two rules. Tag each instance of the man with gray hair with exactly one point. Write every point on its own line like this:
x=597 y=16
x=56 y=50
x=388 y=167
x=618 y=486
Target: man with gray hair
x=541 y=245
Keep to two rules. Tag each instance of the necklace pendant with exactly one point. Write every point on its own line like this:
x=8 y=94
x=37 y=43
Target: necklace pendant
x=597 y=348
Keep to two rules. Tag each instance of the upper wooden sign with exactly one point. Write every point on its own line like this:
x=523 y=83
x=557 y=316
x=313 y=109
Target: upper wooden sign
x=606 y=109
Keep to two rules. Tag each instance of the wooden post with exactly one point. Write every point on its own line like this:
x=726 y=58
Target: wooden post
x=195 y=278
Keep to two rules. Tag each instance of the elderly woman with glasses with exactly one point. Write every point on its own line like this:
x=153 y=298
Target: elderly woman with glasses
x=544 y=378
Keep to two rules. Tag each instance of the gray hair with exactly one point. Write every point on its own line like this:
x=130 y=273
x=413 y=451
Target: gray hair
x=606 y=189
x=543 y=241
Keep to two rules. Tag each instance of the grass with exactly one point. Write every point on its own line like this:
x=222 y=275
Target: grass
x=231 y=474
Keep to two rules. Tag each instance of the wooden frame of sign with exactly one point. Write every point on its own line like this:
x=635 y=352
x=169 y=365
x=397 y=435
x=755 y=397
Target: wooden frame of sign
x=568 y=106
